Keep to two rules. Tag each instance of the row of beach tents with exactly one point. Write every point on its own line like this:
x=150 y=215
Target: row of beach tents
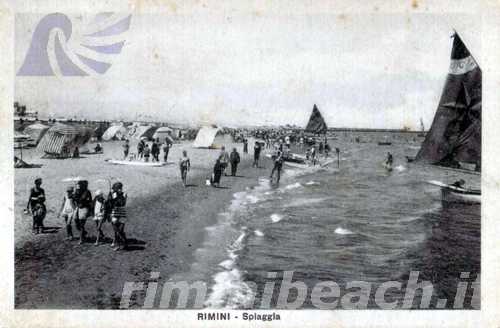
x=60 y=140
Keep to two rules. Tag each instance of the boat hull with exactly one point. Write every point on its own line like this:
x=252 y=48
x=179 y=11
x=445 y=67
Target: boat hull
x=451 y=196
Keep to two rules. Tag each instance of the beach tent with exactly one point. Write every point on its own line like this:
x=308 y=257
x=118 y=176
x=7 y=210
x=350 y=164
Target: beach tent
x=99 y=131
x=211 y=137
x=115 y=132
x=143 y=131
x=163 y=133
x=36 y=131
x=62 y=139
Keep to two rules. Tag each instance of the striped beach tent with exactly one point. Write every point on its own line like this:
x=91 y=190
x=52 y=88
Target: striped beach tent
x=117 y=132
x=163 y=133
x=36 y=131
x=62 y=139
x=144 y=131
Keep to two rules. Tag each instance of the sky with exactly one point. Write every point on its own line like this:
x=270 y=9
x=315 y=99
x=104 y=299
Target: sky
x=250 y=68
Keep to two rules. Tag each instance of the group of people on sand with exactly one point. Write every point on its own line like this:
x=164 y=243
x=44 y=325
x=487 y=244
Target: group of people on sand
x=224 y=159
x=78 y=206
x=222 y=162
x=145 y=151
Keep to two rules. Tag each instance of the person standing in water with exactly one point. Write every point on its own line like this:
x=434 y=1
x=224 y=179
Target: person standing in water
x=313 y=155
x=36 y=204
x=278 y=164
x=388 y=161
x=184 y=166
x=67 y=211
x=234 y=158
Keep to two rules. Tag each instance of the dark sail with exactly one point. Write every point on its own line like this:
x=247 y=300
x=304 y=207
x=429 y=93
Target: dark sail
x=316 y=122
x=455 y=134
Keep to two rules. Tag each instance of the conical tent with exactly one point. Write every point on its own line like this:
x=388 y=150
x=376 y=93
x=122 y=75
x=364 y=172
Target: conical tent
x=455 y=134
x=316 y=122
x=211 y=137
x=205 y=137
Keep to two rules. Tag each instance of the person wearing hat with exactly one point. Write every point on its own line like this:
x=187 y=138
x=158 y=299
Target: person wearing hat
x=67 y=210
x=36 y=204
x=99 y=215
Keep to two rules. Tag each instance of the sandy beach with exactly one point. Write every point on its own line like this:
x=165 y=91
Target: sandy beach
x=165 y=225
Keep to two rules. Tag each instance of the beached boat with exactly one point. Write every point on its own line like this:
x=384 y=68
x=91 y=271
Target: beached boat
x=454 y=139
x=454 y=194
x=135 y=163
x=307 y=165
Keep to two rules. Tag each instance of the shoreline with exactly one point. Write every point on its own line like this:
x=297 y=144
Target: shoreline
x=164 y=229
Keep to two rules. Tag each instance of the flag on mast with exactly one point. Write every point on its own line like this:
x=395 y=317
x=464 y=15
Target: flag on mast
x=455 y=134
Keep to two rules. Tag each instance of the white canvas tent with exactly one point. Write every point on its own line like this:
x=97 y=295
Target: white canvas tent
x=211 y=137
x=163 y=133
x=117 y=132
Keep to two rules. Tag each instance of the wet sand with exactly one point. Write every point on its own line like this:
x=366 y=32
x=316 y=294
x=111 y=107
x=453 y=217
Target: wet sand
x=165 y=225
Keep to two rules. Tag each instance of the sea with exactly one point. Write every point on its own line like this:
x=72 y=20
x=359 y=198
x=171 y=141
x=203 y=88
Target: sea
x=350 y=221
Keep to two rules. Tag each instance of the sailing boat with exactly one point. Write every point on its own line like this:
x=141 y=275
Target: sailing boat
x=316 y=122
x=454 y=139
x=317 y=126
